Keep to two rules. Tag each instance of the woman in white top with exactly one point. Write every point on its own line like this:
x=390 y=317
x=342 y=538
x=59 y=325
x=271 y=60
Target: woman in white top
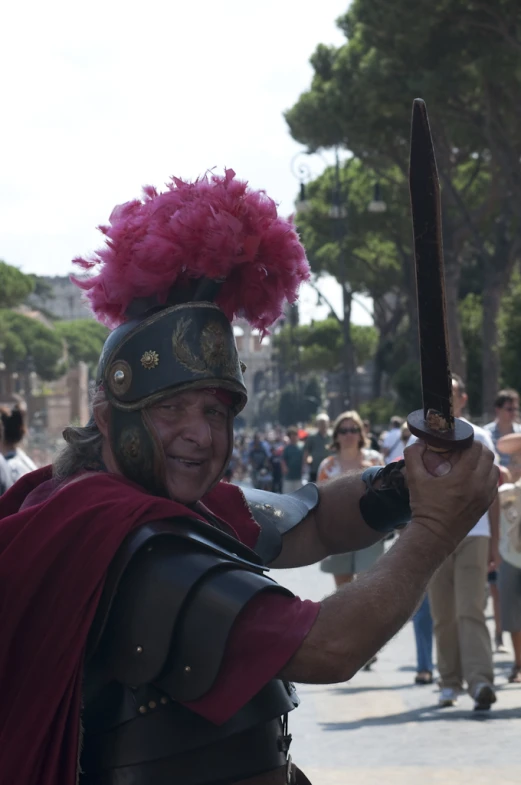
x=350 y=454
x=14 y=430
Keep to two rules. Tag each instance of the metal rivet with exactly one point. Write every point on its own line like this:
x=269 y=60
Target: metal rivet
x=149 y=548
x=188 y=669
x=164 y=699
x=139 y=649
x=119 y=376
x=142 y=709
x=152 y=704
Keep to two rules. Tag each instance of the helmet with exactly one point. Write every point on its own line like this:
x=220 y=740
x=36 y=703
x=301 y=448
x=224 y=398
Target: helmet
x=176 y=269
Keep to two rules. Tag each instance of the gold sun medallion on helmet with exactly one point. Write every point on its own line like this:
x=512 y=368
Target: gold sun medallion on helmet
x=149 y=360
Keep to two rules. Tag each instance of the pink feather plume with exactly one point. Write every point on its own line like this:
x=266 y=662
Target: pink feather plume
x=215 y=227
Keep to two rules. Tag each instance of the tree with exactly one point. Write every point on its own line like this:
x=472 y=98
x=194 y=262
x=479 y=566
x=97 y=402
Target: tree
x=510 y=331
x=376 y=247
x=464 y=59
x=318 y=346
x=22 y=337
x=15 y=287
x=84 y=339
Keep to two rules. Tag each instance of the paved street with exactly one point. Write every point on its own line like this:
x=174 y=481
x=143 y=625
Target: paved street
x=380 y=729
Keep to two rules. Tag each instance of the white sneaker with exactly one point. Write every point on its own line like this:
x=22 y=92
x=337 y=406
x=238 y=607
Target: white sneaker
x=448 y=697
x=484 y=696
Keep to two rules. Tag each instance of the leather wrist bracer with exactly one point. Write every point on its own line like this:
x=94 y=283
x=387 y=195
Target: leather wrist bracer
x=387 y=507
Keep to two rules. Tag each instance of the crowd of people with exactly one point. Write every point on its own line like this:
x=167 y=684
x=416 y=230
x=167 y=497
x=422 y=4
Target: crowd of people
x=487 y=563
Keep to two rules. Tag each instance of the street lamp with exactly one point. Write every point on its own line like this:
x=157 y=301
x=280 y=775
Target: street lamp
x=300 y=169
x=377 y=204
x=339 y=212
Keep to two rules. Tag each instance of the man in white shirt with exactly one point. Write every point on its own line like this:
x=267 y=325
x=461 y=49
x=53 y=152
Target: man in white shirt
x=392 y=445
x=457 y=596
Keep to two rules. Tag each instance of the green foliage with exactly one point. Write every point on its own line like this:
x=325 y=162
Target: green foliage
x=299 y=403
x=463 y=58
x=471 y=314
x=22 y=337
x=363 y=240
x=510 y=328
x=84 y=339
x=378 y=411
x=407 y=383
x=365 y=342
x=14 y=285
x=312 y=399
x=42 y=288
x=318 y=346
x=288 y=407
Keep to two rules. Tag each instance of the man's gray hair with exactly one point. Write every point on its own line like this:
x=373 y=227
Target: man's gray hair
x=83 y=446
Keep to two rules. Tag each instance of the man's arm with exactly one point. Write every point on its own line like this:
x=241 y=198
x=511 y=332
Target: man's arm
x=356 y=621
x=335 y=525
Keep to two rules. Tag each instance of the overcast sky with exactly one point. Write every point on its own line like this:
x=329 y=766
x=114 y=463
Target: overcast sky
x=102 y=97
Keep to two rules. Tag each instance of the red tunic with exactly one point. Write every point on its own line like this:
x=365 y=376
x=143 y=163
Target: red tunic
x=56 y=544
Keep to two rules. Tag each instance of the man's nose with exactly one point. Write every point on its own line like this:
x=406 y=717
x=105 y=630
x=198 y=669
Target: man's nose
x=197 y=429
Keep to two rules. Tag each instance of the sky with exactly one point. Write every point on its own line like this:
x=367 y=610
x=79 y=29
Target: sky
x=103 y=97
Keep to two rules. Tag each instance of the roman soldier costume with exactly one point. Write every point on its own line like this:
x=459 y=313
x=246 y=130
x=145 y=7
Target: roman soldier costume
x=143 y=637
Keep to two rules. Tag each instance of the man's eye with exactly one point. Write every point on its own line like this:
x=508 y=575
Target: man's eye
x=216 y=412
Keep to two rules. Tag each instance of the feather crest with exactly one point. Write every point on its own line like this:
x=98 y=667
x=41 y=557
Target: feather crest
x=215 y=227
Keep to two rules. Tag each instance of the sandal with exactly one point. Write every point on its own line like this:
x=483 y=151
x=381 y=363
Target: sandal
x=424 y=677
x=367 y=666
x=515 y=676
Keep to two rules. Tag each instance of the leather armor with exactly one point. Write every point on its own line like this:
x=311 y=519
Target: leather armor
x=174 y=587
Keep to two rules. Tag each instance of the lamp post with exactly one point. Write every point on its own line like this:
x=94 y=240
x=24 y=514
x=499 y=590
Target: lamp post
x=377 y=204
x=301 y=170
x=339 y=213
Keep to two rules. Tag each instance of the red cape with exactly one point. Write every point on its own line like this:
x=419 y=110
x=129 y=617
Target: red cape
x=54 y=557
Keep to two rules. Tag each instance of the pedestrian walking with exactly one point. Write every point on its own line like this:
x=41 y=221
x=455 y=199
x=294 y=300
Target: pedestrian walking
x=457 y=596
x=316 y=448
x=14 y=431
x=350 y=453
x=510 y=552
x=422 y=624
x=391 y=445
x=506 y=407
x=292 y=462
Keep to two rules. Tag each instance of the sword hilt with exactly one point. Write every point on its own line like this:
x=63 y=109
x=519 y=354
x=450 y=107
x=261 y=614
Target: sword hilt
x=434 y=430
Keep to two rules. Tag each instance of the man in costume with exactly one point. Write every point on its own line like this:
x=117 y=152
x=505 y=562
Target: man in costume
x=143 y=642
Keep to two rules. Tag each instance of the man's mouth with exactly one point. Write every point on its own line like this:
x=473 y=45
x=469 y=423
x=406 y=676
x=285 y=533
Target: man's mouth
x=186 y=462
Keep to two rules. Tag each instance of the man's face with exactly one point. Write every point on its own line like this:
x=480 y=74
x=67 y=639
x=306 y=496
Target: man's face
x=322 y=426
x=193 y=428
x=507 y=413
x=459 y=399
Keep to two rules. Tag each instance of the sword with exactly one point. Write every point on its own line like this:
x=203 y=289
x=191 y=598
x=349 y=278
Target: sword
x=435 y=423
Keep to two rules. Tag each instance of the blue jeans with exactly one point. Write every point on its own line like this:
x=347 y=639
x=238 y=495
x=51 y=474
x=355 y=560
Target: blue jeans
x=422 y=622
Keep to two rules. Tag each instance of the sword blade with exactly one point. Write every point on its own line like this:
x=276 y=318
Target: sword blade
x=430 y=281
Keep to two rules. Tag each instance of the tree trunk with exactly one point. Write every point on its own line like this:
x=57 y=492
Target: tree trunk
x=409 y=271
x=492 y=292
x=376 y=382
x=496 y=276
x=458 y=360
x=347 y=354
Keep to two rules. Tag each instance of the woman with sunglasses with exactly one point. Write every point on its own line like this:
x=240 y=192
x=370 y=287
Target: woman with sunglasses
x=350 y=453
